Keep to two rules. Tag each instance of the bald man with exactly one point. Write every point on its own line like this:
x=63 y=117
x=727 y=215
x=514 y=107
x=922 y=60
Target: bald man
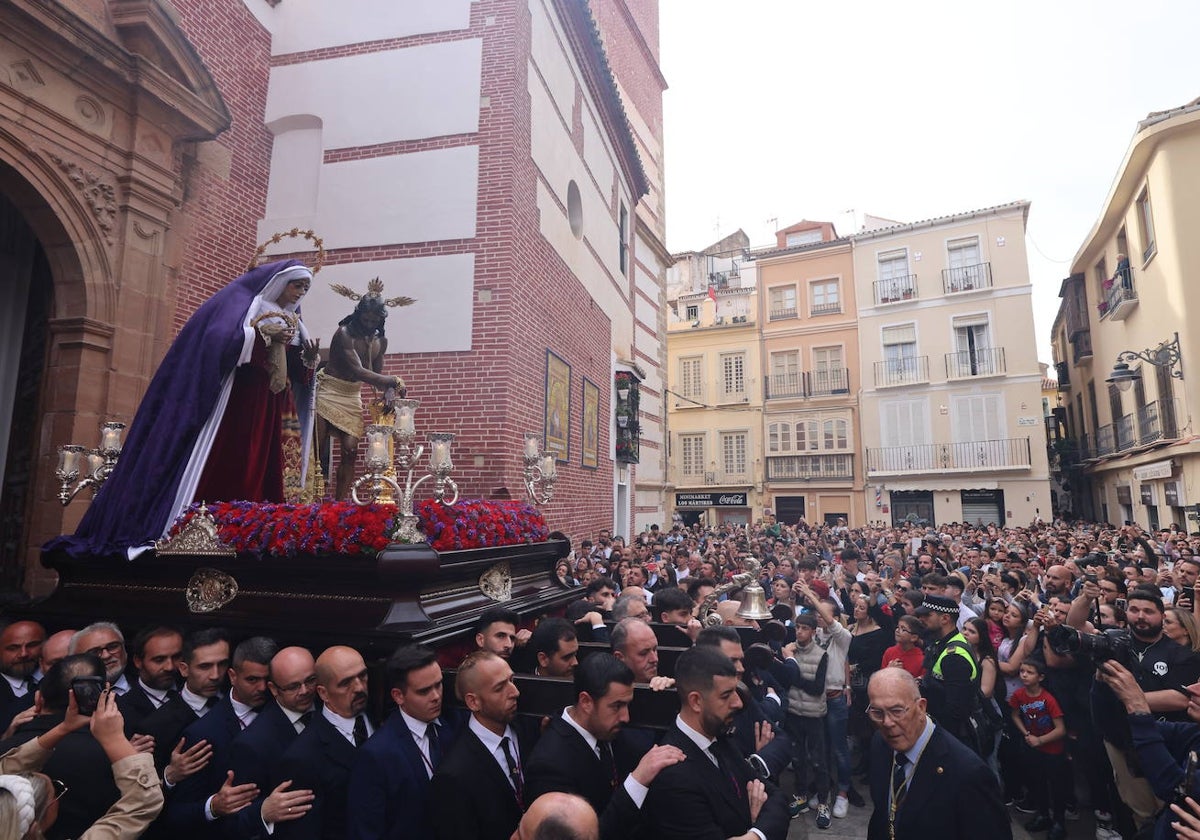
x=562 y=816
x=924 y=781
x=321 y=756
x=292 y=681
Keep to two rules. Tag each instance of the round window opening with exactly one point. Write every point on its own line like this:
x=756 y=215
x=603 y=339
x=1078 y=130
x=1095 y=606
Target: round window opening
x=575 y=209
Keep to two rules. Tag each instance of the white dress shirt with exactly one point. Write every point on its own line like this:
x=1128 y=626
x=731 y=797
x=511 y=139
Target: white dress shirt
x=345 y=725
x=491 y=741
x=636 y=790
x=704 y=742
x=419 y=730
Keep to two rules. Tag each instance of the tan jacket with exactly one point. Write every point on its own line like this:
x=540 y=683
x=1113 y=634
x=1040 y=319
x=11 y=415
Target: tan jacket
x=141 y=796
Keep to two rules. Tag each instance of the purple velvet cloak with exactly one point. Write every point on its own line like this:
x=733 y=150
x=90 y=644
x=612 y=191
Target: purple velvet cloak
x=133 y=507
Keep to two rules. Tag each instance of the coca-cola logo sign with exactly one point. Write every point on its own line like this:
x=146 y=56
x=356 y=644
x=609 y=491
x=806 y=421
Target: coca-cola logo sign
x=699 y=500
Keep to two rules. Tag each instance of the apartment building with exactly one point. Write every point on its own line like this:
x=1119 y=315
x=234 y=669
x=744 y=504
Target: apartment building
x=1121 y=340
x=951 y=392
x=809 y=339
x=714 y=393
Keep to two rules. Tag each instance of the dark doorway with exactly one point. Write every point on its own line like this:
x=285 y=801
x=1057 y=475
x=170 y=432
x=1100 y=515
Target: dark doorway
x=26 y=297
x=912 y=507
x=983 y=507
x=789 y=509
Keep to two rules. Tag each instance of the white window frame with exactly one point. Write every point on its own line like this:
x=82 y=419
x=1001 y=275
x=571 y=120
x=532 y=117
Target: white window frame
x=698 y=392
x=733 y=386
x=691 y=453
x=825 y=284
x=735 y=445
x=782 y=309
x=1144 y=210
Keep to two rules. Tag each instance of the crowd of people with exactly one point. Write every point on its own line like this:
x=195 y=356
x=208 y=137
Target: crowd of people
x=957 y=675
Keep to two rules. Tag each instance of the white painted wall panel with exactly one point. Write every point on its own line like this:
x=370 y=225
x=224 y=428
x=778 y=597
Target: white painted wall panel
x=416 y=197
x=647 y=312
x=299 y=25
x=440 y=320
x=551 y=61
x=597 y=156
x=362 y=100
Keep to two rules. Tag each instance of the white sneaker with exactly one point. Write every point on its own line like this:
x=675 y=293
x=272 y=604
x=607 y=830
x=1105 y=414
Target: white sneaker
x=840 y=806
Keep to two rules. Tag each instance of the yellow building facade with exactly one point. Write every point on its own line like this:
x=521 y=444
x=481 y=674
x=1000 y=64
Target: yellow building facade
x=1132 y=453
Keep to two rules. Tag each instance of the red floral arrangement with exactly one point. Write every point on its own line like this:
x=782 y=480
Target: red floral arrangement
x=346 y=528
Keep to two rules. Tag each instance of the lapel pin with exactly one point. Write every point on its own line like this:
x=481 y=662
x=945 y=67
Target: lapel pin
x=940 y=771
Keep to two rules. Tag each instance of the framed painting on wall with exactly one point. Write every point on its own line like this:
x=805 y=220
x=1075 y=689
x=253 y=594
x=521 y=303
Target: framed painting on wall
x=591 y=424
x=558 y=407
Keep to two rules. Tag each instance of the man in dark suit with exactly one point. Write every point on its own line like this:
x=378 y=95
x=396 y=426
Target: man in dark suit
x=206 y=797
x=157 y=651
x=713 y=794
x=389 y=783
x=924 y=781
x=579 y=752
x=203 y=664
x=321 y=756
x=78 y=761
x=555 y=648
x=20 y=651
x=478 y=791
x=293 y=684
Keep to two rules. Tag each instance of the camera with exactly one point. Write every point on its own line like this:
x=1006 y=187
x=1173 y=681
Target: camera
x=87 y=694
x=1113 y=644
x=1090 y=577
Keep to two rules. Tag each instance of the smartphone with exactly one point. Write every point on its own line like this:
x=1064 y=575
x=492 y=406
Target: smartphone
x=886 y=574
x=1121 y=602
x=87 y=694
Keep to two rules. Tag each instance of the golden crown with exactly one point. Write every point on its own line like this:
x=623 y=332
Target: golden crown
x=374 y=289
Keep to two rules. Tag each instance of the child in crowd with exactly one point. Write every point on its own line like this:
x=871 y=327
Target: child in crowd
x=1039 y=719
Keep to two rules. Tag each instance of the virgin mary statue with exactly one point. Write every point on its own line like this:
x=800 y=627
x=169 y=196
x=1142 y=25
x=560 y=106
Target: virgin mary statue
x=234 y=389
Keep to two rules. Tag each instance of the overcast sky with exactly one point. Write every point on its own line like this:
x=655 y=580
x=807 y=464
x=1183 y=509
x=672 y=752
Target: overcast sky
x=788 y=109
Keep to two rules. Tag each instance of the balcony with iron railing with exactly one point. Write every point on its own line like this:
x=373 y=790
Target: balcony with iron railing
x=1158 y=420
x=812 y=383
x=810 y=467
x=982 y=361
x=1081 y=346
x=1123 y=432
x=1106 y=441
x=967 y=278
x=712 y=478
x=1005 y=454
x=780 y=313
x=1062 y=372
x=909 y=370
x=834 y=308
x=896 y=289
x=1120 y=297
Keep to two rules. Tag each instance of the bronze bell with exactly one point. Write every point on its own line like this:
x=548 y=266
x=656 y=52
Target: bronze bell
x=754 y=602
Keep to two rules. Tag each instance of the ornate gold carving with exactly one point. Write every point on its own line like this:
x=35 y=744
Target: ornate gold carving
x=374 y=289
x=496 y=582
x=199 y=536
x=209 y=590
x=101 y=197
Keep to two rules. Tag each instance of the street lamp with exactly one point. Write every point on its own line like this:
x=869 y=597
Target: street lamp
x=1165 y=355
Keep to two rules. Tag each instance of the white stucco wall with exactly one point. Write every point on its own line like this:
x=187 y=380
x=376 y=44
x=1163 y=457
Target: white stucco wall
x=300 y=25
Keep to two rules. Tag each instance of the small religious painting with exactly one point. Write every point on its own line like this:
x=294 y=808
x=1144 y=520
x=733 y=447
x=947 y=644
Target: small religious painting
x=591 y=424
x=558 y=407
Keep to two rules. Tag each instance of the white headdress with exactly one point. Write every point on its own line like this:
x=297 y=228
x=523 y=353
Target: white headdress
x=22 y=792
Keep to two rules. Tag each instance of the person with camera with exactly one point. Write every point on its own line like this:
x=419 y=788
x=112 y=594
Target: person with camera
x=31 y=801
x=1161 y=668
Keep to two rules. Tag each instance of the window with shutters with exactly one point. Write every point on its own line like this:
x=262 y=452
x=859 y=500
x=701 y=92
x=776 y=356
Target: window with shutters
x=783 y=302
x=900 y=354
x=977 y=417
x=893 y=267
x=806 y=435
x=691 y=377
x=829 y=375
x=825 y=296
x=733 y=453
x=1145 y=218
x=733 y=375
x=904 y=432
x=691 y=448
x=779 y=437
x=785 y=375
x=974 y=355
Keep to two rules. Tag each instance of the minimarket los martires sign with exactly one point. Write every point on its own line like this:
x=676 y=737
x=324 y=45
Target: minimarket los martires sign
x=704 y=500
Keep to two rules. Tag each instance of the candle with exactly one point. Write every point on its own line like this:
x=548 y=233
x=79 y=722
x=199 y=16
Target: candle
x=377 y=446
x=68 y=458
x=404 y=421
x=531 y=446
x=548 y=468
x=111 y=436
x=440 y=455
x=95 y=462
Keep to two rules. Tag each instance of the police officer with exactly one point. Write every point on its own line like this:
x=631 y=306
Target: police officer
x=951 y=681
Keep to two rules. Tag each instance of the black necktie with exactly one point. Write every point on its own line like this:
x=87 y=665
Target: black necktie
x=514 y=772
x=304 y=719
x=609 y=762
x=360 y=731
x=210 y=702
x=899 y=780
x=435 y=747
x=715 y=751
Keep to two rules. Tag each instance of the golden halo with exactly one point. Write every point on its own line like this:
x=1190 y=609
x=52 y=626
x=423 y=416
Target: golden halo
x=317 y=242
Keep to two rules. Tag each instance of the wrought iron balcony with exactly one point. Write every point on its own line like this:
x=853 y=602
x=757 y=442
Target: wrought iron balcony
x=810 y=467
x=782 y=312
x=1009 y=453
x=1120 y=297
x=825 y=308
x=1123 y=431
x=904 y=371
x=1062 y=372
x=987 y=361
x=896 y=289
x=1106 y=440
x=967 y=278
x=712 y=478
x=813 y=383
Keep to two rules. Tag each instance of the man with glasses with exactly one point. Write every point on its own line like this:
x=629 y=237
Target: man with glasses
x=292 y=681
x=104 y=639
x=925 y=783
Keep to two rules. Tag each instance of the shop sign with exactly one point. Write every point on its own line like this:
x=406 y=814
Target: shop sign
x=1149 y=472
x=704 y=500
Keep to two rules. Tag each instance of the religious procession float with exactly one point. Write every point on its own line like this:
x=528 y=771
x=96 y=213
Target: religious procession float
x=220 y=505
